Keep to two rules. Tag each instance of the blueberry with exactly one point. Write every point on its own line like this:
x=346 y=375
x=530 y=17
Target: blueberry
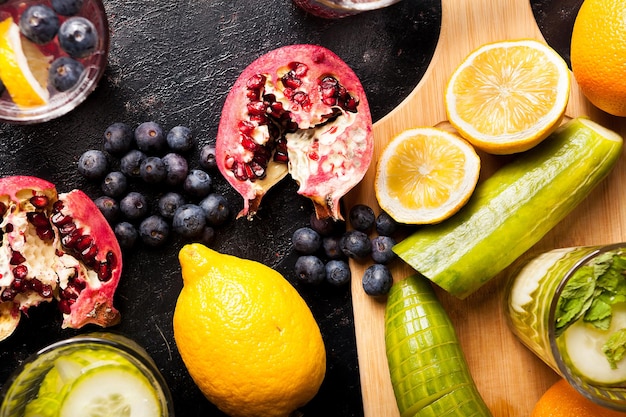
x=377 y=280
x=189 y=221
x=355 y=244
x=109 y=208
x=215 y=208
x=78 y=37
x=381 y=249
x=126 y=235
x=149 y=138
x=168 y=204
x=208 y=236
x=207 y=157
x=197 y=183
x=332 y=247
x=180 y=139
x=118 y=138
x=362 y=218
x=385 y=224
x=39 y=24
x=310 y=269
x=154 y=231
x=131 y=163
x=114 y=184
x=152 y=170
x=93 y=164
x=67 y=7
x=134 y=205
x=306 y=240
x=176 y=168
x=338 y=272
x=327 y=226
x=64 y=73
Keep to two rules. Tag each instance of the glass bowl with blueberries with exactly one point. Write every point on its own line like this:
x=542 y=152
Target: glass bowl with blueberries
x=52 y=56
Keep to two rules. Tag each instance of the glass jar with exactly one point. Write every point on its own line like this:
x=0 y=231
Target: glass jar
x=90 y=353
x=333 y=9
x=537 y=319
x=93 y=61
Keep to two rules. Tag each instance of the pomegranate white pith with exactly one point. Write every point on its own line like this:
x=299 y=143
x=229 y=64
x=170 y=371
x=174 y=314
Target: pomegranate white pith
x=300 y=110
x=55 y=247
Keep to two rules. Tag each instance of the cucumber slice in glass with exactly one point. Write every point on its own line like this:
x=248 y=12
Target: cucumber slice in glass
x=111 y=390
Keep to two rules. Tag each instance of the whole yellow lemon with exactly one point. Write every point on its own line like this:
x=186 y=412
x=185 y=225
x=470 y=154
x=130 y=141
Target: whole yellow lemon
x=246 y=336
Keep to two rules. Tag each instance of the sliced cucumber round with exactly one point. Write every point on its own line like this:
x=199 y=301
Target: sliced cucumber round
x=583 y=348
x=111 y=390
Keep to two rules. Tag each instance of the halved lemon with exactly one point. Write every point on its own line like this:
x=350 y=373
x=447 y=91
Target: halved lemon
x=425 y=175
x=507 y=96
x=23 y=67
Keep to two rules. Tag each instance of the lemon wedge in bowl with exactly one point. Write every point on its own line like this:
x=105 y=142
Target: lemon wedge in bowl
x=425 y=175
x=23 y=68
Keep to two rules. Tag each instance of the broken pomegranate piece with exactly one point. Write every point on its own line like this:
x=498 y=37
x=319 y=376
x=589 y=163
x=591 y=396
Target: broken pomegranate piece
x=55 y=247
x=296 y=110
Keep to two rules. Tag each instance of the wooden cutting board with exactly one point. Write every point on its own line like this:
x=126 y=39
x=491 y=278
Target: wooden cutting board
x=510 y=378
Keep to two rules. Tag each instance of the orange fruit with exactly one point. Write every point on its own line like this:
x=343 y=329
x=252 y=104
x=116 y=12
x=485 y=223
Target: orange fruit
x=23 y=68
x=507 y=96
x=247 y=338
x=562 y=400
x=425 y=175
x=598 y=54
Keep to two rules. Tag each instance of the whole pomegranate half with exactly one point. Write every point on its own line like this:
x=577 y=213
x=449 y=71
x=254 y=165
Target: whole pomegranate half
x=301 y=110
x=55 y=247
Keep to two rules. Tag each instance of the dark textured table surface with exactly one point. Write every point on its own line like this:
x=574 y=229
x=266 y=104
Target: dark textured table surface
x=174 y=62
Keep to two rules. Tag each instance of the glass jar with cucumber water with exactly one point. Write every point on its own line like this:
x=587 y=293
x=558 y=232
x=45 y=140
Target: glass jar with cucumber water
x=89 y=375
x=568 y=306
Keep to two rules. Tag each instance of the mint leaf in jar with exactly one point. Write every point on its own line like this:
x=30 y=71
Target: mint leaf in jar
x=615 y=347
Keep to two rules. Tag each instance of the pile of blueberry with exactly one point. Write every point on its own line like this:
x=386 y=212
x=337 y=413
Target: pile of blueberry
x=325 y=246
x=76 y=35
x=148 y=159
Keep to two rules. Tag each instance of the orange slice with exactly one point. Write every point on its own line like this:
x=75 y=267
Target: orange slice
x=23 y=68
x=425 y=175
x=508 y=96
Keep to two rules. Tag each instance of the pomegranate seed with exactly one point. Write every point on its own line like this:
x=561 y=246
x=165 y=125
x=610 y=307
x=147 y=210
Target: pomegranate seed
x=300 y=69
x=70 y=240
x=257 y=169
x=104 y=271
x=290 y=81
x=3 y=209
x=300 y=97
x=37 y=219
x=67 y=228
x=45 y=233
x=57 y=206
x=35 y=285
x=239 y=171
x=46 y=291
x=8 y=228
x=229 y=162
x=253 y=95
x=281 y=157
x=249 y=144
x=18 y=284
x=314 y=156
x=89 y=254
x=111 y=259
x=39 y=201
x=8 y=294
x=16 y=258
x=65 y=305
x=59 y=219
x=20 y=272
x=246 y=127
x=288 y=92
x=256 y=108
x=83 y=243
x=330 y=101
x=256 y=82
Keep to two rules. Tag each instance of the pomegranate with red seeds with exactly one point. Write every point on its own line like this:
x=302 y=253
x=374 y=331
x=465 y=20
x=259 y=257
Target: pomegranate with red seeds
x=296 y=110
x=55 y=247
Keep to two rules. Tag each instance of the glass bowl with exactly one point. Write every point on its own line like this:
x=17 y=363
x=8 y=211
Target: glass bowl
x=60 y=102
x=103 y=350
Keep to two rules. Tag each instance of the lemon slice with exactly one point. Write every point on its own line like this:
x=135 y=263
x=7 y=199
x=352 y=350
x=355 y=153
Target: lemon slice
x=508 y=96
x=425 y=175
x=23 y=68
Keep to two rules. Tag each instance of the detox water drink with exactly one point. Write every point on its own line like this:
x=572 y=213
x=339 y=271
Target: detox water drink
x=568 y=306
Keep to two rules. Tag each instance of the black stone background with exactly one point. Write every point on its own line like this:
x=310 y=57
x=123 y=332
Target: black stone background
x=174 y=62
